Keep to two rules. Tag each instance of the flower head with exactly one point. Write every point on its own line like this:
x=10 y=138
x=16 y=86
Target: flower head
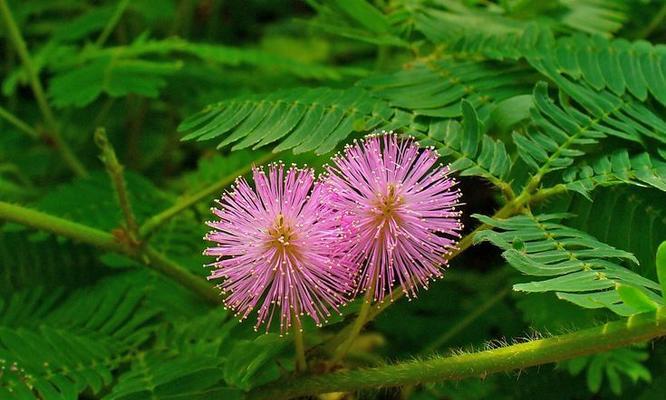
x=274 y=248
x=398 y=210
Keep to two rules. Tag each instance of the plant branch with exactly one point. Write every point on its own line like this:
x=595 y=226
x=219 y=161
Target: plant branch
x=636 y=329
x=15 y=37
x=115 y=171
x=186 y=202
x=106 y=241
x=19 y=124
x=111 y=24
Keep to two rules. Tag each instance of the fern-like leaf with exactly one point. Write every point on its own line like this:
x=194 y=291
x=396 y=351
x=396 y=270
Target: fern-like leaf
x=470 y=150
x=614 y=64
x=76 y=345
x=616 y=168
x=577 y=266
x=436 y=88
x=558 y=132
x=302 y=119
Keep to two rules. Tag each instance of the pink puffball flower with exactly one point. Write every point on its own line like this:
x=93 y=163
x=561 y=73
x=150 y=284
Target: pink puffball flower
x=275 y=249
x=398 y=212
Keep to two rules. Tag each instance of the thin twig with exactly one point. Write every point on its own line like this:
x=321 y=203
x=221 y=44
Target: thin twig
x=159 y=219
x=19 y=124
x=111 y=24
x=115 y=170
x=359 y=322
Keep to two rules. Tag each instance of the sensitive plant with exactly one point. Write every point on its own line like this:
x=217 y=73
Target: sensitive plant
x=550 y=118
x=398 y=213
x=275 y=248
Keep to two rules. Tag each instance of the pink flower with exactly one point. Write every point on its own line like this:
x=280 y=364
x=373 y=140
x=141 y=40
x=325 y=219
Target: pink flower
x=274 y=248
x=398 y=211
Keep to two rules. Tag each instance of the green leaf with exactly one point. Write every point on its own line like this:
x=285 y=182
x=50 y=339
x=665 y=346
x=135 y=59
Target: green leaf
x=559 y=132
x=116 y=78
x=301 y=119
x=469 y=149
x=661 y=267
x=250 y=362
x=68 y=346
x=614 y=64
x=436 y=88
x=613 y=364
x=636 y=298
x=578 y=267
x=616 y=168
x=365 y=14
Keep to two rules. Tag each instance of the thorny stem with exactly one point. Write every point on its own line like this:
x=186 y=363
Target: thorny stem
x=111 y=24
x=15 y=37
x=635 y=329
x=115 y=170
x=159 y=219
x=106 y=241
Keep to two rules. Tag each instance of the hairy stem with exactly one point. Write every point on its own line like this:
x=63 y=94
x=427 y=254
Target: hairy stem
x=111 y=24
x=106 y=241
x=17 y=41
x=159 y=219
x=115 y=170
x=636 y=329
x=19 y=124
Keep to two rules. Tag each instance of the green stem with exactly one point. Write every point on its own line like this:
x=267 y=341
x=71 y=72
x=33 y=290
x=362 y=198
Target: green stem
x=62 y=227
x=15 y=37
x=467 y=321
x=636 y=329
x=19 y=124
x=107 y=241
x=359 y=323
x=299 y=346
x=110 y=26
x=159 y=219
x=164 y=265
x=115 y=170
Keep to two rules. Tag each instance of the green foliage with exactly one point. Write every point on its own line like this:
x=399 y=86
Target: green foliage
x=611 y=366
x=60 y=351
x=551 y=113
x=436 y=88
x=616 y=169
x=305 y=119
x=624 y=217
x=577 y=266
x=92 y=201
x=471 y=151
